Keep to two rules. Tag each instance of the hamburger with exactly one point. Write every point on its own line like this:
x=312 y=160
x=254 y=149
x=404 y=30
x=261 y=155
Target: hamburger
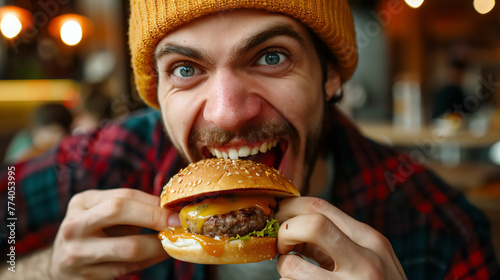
x=226 y=208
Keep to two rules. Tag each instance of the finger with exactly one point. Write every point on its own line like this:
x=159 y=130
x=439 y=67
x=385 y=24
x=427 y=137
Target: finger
x=116 y=211
x=133 y=248
x=119 y=211
x=87 y=199
x=369 y=238
x=294 y=267
x=95 y=251
x=293 y=207
x=321 y=233
x=312 y=252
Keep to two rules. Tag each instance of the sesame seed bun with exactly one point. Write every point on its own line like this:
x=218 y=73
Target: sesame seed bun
x=212 y=177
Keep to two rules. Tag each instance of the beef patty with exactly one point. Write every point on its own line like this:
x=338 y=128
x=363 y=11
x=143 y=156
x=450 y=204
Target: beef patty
x=230 y=224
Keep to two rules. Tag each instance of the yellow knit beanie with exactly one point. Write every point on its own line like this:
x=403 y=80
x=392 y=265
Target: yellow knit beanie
x=151 y=20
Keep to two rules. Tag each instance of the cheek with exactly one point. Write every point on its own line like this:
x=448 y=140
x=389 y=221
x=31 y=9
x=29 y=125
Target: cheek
x=301 y=103
x=178 y=111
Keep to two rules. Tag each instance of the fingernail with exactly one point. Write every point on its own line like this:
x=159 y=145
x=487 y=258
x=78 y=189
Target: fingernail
x=173 y=220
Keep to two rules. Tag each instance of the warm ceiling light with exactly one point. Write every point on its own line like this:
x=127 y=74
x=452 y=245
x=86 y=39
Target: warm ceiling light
x=10 y=26
x=13 y=20
x=71 y=33
x=495 y=153
x=484 y=6
x=414 y=3
x=71 y=28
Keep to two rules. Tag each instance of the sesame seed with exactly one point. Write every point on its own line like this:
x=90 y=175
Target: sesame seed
x=258 y=175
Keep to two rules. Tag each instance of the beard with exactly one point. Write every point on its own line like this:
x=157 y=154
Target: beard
x=314 y=142
x=252 y=133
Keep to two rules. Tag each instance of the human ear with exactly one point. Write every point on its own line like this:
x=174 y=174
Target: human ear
x=332 y=83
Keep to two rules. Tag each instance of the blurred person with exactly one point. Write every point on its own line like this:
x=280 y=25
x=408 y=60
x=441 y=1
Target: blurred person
x=274 y=74
x=95 y=108
x=450 y=99
x=48 y=125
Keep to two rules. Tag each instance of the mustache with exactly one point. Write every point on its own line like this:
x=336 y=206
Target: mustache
x=218 y=137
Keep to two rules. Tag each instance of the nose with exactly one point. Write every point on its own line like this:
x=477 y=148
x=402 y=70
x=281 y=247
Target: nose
x=232 y=101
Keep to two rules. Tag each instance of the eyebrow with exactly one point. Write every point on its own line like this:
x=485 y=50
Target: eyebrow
x=277 y=30
x=171 y=48
x=274 y=31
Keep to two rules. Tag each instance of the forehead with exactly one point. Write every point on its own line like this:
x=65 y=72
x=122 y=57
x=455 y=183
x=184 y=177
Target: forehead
x=233 y=26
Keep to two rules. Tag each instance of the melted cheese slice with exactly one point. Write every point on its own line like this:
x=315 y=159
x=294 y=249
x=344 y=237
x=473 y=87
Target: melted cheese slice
x=198 y=213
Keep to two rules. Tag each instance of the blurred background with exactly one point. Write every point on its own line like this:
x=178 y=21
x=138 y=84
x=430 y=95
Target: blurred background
x=428 y=81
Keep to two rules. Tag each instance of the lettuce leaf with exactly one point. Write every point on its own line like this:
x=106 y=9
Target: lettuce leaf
x=270 y=230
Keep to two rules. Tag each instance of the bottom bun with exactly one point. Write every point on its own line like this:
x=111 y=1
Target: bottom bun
x=255 y=249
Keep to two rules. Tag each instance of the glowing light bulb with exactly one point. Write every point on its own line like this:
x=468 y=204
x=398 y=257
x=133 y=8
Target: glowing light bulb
x=10 y=26
x=484 y=6
x=71 y=33
x=495 y=153
x=414 y=3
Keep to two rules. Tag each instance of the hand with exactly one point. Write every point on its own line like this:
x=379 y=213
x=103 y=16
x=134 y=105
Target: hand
x=343 y=247
x=99 y=237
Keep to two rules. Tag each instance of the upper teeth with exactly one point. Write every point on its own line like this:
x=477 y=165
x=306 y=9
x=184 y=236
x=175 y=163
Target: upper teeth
x=242 y=151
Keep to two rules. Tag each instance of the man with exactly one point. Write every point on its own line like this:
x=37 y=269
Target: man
x=230 y=77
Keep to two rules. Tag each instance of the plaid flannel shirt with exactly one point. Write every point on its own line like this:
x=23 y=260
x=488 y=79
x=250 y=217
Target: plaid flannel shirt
x=435 y=232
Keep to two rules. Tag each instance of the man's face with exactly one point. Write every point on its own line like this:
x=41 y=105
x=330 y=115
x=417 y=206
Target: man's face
x=243 y=84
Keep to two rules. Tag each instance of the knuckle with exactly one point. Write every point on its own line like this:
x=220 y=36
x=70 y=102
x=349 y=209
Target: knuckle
x=317 y=205
x=128 y=193
x=378 y=242
x=373 y=269
x=318 y=224
x=79 y=198
x=113 y=207
x=154 y=217
x=120 y=271
x=68 y=229
x=382 y=242
x=71 y=257
x=290 y=265
x=133 y=249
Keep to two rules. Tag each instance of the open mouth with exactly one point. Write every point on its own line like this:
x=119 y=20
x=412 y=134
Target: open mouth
x=269 y=153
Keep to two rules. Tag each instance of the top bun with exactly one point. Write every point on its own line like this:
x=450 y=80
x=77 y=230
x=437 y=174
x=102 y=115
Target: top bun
x=211 y=177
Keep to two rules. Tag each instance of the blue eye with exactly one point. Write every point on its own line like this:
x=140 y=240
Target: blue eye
x=271 y=58
x=184 y=71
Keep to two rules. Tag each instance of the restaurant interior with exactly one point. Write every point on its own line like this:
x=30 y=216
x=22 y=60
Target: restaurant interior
x=413 y=54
